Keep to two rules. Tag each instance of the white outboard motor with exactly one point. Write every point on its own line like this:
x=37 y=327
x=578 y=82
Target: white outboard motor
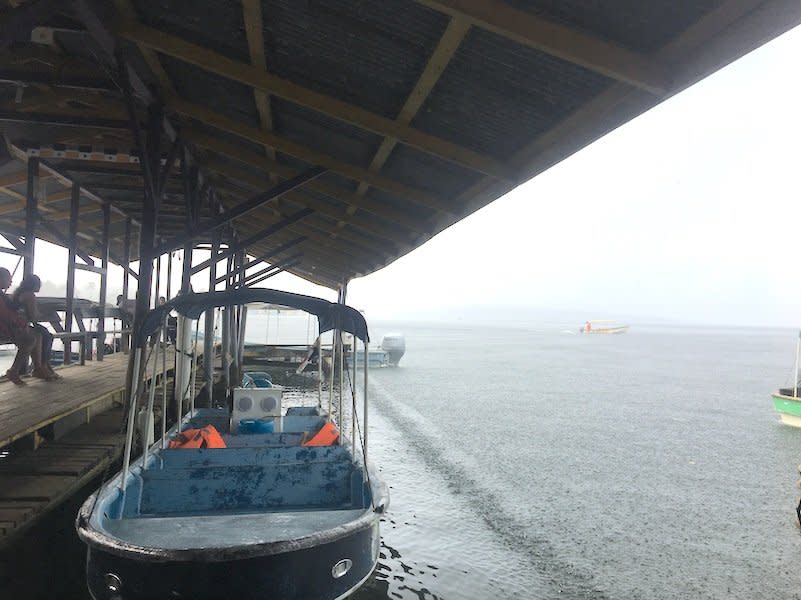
x=394 y=344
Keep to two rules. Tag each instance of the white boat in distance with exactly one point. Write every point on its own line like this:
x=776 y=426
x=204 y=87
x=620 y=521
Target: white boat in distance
x=603 y=326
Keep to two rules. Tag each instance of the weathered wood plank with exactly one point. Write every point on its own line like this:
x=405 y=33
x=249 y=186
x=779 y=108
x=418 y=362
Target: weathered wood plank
x=25 y=409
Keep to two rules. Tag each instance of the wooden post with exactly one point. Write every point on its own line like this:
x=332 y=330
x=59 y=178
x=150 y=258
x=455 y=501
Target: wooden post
x=157 y=291
x=208 y=337
x=75 y=203
x=101 y=321
x=126 y=338
x=169 y=276
x=31 y=214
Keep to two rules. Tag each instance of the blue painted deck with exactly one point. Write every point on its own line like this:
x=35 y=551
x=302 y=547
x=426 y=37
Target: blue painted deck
x=260 y=488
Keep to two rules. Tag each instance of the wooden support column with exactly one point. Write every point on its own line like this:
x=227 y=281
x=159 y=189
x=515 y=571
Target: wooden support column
x=157 y=291
x=75 y=205
x=226 y=330
x=169 y=276
x=31 y=215
x=126 y=256
x=190 y=195
x=208 y=332
x=101 y=321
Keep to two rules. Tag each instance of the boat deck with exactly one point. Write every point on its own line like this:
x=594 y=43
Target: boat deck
x=226 y=531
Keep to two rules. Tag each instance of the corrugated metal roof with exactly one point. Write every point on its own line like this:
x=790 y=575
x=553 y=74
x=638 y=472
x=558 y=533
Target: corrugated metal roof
x=421 y=112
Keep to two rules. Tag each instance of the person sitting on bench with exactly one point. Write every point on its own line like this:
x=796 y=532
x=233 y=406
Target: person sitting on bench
x=14 y=329
x=24 y=300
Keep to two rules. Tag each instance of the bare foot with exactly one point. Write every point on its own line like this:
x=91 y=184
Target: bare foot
x=14 y=377
x=42 y=374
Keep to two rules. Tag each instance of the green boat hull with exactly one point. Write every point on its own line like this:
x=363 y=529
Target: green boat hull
x=789 y=409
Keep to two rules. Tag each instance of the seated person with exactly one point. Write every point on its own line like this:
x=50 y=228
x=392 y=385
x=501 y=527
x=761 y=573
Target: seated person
x=127 y=308
x=14 y=328
x=24 y=300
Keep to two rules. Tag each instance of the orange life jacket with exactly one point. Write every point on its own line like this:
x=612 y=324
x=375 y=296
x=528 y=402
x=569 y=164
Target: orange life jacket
x=205 y=437
x=327 y=436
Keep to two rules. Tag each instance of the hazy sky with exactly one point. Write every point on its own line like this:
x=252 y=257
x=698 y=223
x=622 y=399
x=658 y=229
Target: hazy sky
x=687 y=213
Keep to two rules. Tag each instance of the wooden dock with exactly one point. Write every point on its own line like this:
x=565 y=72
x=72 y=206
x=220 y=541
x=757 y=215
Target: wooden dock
x=74 y=430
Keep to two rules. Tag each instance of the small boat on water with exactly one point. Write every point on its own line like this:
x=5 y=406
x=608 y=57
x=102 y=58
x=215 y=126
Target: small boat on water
x=603 y=326
x=394 y=344
x=787 y=401
x=248 y=500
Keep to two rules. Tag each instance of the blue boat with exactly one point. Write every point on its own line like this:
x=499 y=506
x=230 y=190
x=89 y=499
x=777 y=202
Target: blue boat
x=290 y=513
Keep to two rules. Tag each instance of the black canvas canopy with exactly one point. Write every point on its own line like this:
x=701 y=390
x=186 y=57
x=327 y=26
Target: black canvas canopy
x=329 y=314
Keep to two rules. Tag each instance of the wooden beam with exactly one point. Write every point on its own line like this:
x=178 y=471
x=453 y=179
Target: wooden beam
x=566 y=43
x=127 y=11
x=254 y=23
x=283 y=88
x=261 y=163
x=240 y=210
x=309 y=155
x=738 y=23
x=442 y=55
x=18 y=177
x=377 y=229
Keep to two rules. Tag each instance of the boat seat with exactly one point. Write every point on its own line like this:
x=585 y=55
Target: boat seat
x=206 y=457
x=249 y=487
x=256 y=440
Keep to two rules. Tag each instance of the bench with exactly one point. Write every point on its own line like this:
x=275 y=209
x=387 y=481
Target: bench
x=215 y=457
x=324 y=485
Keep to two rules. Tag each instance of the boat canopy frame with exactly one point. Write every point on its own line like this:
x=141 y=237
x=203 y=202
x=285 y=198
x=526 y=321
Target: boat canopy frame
x=330 y=315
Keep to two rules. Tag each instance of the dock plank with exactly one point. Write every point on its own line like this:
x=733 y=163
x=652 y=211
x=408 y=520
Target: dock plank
x=34 y=482
x=25 y=409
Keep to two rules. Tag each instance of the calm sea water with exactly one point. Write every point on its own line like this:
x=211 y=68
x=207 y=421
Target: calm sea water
x=534 y=462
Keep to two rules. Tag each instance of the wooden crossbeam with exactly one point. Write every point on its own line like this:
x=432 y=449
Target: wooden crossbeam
x=446 y=48
x=251 y=13
x=736 y=23
x=566 y=43
x=18 y=177
x=127 y=10
x=261 y=80
x=13 y=207
x=311 y=156
x=264 y=164
x=254 y=181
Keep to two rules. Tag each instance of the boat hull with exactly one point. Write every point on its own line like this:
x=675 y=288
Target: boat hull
x=789 y=409
x=304 y=573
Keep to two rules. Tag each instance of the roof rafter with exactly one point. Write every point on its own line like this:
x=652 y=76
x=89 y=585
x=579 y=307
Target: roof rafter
x=253 y=181
x=619 y=103
x=264 y=164
x=309 y=155
x=251 y=13
x=446 y=47
x=566 y=43
x=261 y=80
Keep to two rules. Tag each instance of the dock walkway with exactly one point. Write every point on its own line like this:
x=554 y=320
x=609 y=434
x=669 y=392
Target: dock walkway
x=29 y=408
x=81 y=417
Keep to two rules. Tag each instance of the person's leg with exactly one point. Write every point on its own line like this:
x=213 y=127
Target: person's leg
x=47 y=349
x=47 y=342
x=25 y=342
x=39 y=370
